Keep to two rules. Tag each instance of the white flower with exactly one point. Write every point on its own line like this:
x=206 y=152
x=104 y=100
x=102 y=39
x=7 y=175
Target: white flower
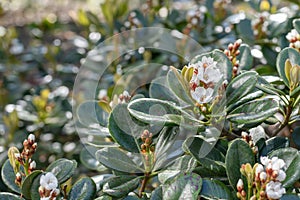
x=274 y=190
x=49 y=181
x=209 y=74
x=207 y=62
x=281 y=176
x=31 y=138
x=202 y=95
x=291 y=35
x=277 y=163
x=259 y=169
x=264 y=160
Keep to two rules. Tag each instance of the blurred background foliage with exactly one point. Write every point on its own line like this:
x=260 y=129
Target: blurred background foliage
x=43 y=43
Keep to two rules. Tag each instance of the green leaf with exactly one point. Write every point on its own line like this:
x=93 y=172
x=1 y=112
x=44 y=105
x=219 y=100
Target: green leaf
x=291 y=158
x=286 y=53
x=240 y=86
x=90 y=113
x=245 y=57
x=160 y=90
x=249 y=97
x=296 y=24
x=62 y=169
x=34 y=189
x=153 y=111
x=183 y=164
x=245 y=31
x=203 y=150
x=124 y=128
x=185 y=186
x=274 y=143
x=178 y=85
x=116 y=159
x=290 y=197
x=83 y=189
x=26 y=185
x=168 y=147
x=296 y=92
x=9 y=196
x=157 y=194
x=239 y=152
x=8 y=177
x=254 y=111
x=214 y=189
x=119 y=187
x=88 y=159
x=205 y=153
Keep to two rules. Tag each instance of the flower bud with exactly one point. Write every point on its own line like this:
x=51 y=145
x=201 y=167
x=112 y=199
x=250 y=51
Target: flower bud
x=31 y=138
x=240 y=185
x=263 y=176
x=32 y=165
x=259 y=168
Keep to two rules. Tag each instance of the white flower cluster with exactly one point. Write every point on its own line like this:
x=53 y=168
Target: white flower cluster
x=294 y=38
x=272 y=172
x=48 y=187
x=260 y=25
x=205 y=76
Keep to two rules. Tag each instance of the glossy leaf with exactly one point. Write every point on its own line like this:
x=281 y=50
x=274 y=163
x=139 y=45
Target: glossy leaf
x=34 y=188
x=116 y=159
x=83 y=189
x=160 y=90
x=245 y=57
x=26 y=185
x=239 y=152
x=119 y=187
x=291 y=158
x=178 y=85
x=296 y=24
x=240 y=86
x=182 y=164
x=8 y=177
x=90 y=113
x=153 y=111
x=157 y=194
x=124 y=128
x=273 y=144
x=168 y=147
x=9 y=196
x=63 y=169
x=254 y=111
x=88 y=159
x=214 y=189
x=184 y=186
